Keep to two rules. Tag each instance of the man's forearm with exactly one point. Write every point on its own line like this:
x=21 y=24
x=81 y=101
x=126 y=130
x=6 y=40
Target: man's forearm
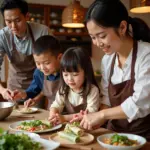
x=1 y=88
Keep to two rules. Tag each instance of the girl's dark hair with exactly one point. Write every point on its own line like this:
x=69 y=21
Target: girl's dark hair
x=11 y=4
x=110 y=13
x=47 y=43
x=72 y=59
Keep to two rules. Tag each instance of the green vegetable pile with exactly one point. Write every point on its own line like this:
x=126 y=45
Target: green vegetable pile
x=122 y=140
x=76 y=123
x=36 y=123
x=17 y=142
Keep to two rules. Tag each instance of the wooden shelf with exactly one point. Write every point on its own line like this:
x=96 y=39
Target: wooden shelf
x=69 y=37
x=70 y=34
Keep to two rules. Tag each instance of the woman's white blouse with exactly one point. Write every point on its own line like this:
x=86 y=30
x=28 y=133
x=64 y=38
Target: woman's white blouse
x=137 y=105
x=93 y=100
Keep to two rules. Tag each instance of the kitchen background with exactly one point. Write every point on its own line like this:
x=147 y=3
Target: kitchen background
x=96 y=54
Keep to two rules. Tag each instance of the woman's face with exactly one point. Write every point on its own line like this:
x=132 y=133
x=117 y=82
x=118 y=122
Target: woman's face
x=104 y=38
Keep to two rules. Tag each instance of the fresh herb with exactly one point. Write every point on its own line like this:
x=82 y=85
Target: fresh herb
x=1 y=130
x=76 y=123
x=121 y=139
x=18 y=142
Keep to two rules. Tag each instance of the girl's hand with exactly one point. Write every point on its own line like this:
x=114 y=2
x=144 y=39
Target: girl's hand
x=56 y=119
x=79 y=117
x=30 y=102
x=92 y=120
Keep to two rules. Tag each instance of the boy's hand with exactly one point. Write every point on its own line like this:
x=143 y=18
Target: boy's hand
x=17 y=95
x=30 y=102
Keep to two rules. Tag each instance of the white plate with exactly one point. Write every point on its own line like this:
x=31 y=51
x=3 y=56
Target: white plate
x=139 y=139
x=33 y=110
x=47 y=144
x=15 y=124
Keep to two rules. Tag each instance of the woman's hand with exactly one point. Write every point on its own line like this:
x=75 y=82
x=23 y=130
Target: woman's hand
x=79 y=116
x=92 y=120
x=30 y=102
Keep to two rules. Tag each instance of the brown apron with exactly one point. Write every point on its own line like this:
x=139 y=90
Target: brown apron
x=50 y=89
x=21 y=68
x=119 y=93
x=70 y=109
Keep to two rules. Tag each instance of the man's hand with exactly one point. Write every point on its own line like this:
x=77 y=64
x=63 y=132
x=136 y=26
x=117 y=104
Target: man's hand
x=7 y=94
x=17 y=95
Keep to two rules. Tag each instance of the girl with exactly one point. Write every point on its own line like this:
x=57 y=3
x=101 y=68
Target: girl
x=79 y=90
x=125 y=84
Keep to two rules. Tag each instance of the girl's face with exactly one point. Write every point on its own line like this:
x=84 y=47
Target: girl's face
x=74 y=80
x=47 y=63
x=104 y=38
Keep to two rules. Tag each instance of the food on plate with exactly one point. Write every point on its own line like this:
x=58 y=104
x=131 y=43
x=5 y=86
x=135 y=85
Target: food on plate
x=18 y=142
x=120 y=140
x=34 y=125
x=69 y=136
x=26 y=109
x=71 y=132
x=70 y=128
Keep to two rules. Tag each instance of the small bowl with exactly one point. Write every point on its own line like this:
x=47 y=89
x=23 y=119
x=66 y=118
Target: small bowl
x=6 y=109
x=141 y=140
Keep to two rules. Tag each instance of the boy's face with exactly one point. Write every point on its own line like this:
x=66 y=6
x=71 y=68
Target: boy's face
x=47 y=63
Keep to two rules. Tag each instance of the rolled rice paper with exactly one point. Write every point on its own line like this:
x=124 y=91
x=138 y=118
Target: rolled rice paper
x=69 y=136
x=74 y=129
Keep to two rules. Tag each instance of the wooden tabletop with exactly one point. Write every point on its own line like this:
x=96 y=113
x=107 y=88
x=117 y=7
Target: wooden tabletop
x=43 y=114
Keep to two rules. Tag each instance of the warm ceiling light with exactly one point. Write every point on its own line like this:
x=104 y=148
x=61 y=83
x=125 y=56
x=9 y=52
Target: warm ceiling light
x=73 y=15
x=140 y=6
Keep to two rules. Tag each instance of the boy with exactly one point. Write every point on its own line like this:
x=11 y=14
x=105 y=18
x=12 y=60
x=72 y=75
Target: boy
x=47 y=55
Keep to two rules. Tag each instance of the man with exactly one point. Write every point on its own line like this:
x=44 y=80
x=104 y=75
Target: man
x=17 y=42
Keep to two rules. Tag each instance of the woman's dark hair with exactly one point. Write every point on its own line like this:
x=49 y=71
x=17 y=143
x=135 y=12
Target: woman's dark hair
x=110 y=13
x=72 y=59
x=47 y=43
x=11 y=4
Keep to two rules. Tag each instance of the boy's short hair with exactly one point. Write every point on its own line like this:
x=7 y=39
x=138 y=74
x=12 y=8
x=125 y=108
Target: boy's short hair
x=47 y=43
x=12 y=4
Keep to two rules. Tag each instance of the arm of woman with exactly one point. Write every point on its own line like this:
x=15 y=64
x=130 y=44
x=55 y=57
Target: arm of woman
x=99 y=118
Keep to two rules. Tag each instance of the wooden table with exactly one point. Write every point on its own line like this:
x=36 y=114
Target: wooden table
x=42 y=114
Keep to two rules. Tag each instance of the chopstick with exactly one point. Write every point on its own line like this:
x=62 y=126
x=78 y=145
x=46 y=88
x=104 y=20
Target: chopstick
x=79 y=147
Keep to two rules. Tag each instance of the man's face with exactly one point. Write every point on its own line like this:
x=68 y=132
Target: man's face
x=16 y=21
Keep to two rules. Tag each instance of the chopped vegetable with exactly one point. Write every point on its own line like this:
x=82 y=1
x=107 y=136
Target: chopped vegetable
x=120 y=140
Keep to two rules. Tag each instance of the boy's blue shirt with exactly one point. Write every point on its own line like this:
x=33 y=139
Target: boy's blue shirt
x=36 y=85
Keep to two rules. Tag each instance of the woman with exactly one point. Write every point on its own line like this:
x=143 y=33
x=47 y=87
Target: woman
x=125 y=84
